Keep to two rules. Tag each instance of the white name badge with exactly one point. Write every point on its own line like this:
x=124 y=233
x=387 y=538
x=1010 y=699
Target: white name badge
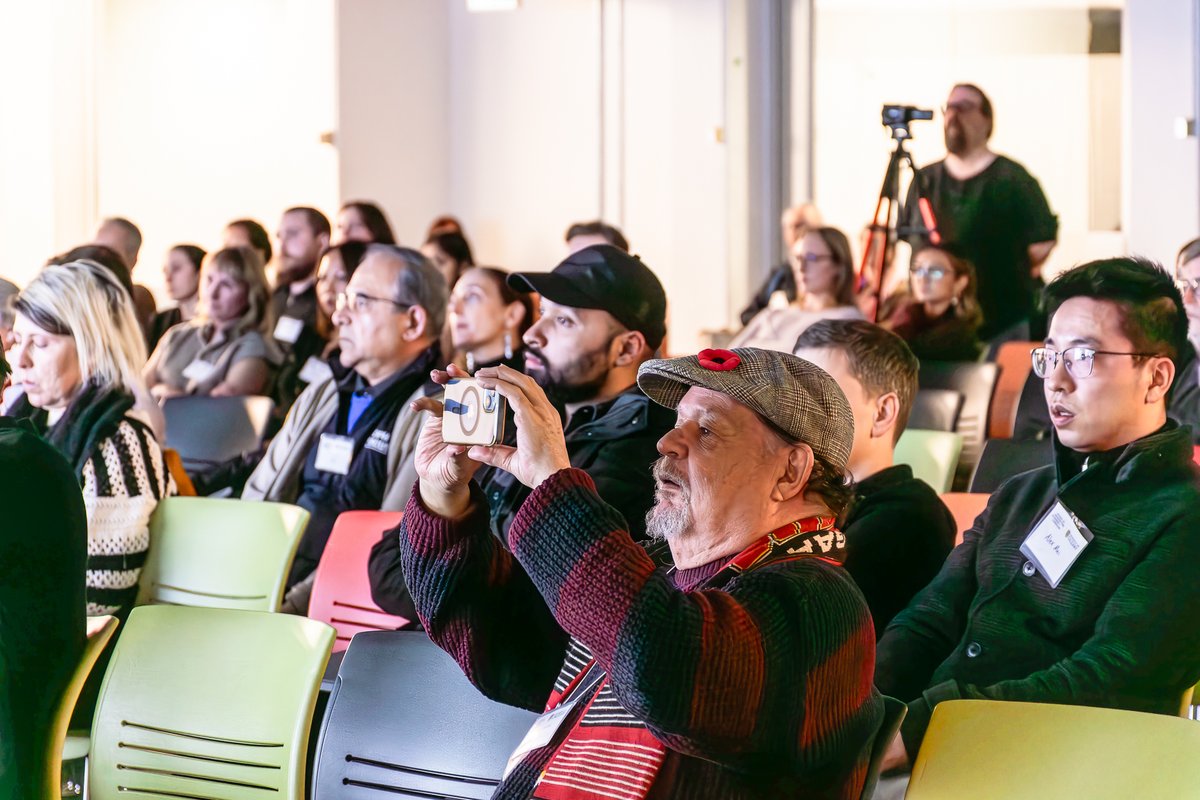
x=199 y=371
x=315 y=370
x=1056 y=542
x=288 y=329
x=541 y=733
x=334 y=454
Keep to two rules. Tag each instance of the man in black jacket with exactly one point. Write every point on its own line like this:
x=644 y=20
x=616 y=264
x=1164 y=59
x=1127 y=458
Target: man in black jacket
x=898 y=532
x=603 y=313
x=1075 y=585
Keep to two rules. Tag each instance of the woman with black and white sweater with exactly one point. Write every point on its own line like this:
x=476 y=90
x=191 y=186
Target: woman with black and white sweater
x=78 y=356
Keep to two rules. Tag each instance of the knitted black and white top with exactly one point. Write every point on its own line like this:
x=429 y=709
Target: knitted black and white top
x=123 y=481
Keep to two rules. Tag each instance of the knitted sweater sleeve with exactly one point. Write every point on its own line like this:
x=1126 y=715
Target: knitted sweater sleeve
x=477 y=603
x=777 y=665
x=123 y=481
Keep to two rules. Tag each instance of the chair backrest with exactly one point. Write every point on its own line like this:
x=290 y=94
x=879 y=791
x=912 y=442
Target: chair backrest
x=975 y=382
x=985 y=749
x=894 y=712
x=341 y=593
x=220 y=553
x=1015 y=365
x=99 y=633
x=404 y=721
x=211 y=430
x=935 y=410
x=207 y=703
x=1003 y=458
x=965 y=506
x=933 y=456
x=183 y=481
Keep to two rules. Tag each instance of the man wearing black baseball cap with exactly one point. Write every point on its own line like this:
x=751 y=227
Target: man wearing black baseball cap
x=603 y=314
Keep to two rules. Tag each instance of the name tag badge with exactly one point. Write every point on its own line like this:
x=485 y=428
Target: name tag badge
x=199 y=371
x=315 y=370
x=288 y=329
x=541 y=733
x=335 y=453
x=1056 y=542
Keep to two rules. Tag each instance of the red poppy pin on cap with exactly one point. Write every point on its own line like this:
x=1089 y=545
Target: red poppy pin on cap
x=718 y=360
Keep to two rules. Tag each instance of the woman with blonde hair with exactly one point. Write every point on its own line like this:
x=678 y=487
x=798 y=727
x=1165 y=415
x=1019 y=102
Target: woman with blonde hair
x=77 y=355
x=223 y=350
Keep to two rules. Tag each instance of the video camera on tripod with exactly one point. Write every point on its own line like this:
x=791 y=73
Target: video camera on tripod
x=888 y=210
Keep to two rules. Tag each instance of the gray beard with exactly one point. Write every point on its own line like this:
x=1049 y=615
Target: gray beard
x=669 y=522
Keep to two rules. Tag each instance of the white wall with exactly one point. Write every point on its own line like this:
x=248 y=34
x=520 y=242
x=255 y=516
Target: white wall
x=211 y=111
x=1162 y=198
x=1030 y=58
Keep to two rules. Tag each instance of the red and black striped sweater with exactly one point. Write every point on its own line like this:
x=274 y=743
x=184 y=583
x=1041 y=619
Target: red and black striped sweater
x=759 y=688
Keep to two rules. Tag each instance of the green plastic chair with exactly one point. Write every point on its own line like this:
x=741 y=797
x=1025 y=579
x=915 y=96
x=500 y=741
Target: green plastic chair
x=220 y=553
x=208 y=703
x=995 y=750
x=933 y=456
x=68 y=745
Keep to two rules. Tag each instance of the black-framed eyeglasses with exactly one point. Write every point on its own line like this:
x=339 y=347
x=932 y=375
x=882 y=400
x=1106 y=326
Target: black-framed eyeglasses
x=1078 y=360
x=1188 y=284
x=812 y=258
x=933 y=273
x=961 y=107
x=358 y=301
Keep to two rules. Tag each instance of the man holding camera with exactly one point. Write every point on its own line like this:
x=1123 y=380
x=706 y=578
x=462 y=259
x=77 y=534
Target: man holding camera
x=992 y=209
x=736 y=665
x=603 y=314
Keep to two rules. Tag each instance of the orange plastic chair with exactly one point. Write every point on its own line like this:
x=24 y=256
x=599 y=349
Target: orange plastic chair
x=965 y=506
x=341 y=595
x=1014 y=362
x=183 y=483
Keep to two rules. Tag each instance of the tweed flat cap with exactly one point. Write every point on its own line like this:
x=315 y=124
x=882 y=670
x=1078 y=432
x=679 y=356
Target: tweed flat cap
x=797 y=396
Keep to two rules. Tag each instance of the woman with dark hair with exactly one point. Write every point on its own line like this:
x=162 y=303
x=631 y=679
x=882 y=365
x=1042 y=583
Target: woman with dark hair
x=181 y=273
x=824 y=270
x=362 y=221
x=334 y=269
x=248 y=233
x=1187 y=280
x=941 y=321
x=488 y=319
x=450 y=253
x=223 y=351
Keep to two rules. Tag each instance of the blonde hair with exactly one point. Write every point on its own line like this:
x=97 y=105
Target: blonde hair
x=85 y=301
x=243 y=264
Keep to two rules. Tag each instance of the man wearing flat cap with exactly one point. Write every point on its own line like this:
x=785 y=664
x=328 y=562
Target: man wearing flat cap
x=603 y=314
x=735 y=664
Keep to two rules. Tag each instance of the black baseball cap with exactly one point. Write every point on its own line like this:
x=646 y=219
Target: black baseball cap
x=606 y=278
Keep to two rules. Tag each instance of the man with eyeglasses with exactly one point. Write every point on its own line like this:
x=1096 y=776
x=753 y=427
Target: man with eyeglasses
x=1075 y=585
x=992 y=209
x=348 y=441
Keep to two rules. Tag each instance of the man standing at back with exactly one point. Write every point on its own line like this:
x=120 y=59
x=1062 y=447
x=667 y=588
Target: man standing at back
x=603 y=314
x=1076 y=584
x=992 y=208
x=898 y=532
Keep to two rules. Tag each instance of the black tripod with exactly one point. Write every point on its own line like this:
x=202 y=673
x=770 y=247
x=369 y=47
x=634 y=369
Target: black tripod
x=885 y=230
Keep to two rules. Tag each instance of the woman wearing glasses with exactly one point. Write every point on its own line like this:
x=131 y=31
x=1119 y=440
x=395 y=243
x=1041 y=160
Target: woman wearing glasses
x=824 y=271
x=941 y=320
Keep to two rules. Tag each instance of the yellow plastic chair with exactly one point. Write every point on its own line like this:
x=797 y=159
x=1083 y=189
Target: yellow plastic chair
x=993 y=750
x=220 y=553
x=208 y=703
x=64 y=745
x=933 y=456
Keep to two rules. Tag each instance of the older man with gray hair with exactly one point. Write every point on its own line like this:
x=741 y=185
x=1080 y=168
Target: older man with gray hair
x=730 y=660
x=348 y=441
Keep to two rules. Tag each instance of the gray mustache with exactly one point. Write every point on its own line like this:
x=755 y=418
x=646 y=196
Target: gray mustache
x=662 y=472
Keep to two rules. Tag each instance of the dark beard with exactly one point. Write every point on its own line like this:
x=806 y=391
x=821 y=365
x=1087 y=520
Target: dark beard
x=563 y=385
x=956 y=140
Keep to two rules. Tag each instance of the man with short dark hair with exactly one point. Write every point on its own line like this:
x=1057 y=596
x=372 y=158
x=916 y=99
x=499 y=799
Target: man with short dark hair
x=738 y=667
x=1075 y=585
x=348 y=441
x=303 y=235
x=992 y=209
x=603 y=314
x=586 y=234
x=898 y=531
